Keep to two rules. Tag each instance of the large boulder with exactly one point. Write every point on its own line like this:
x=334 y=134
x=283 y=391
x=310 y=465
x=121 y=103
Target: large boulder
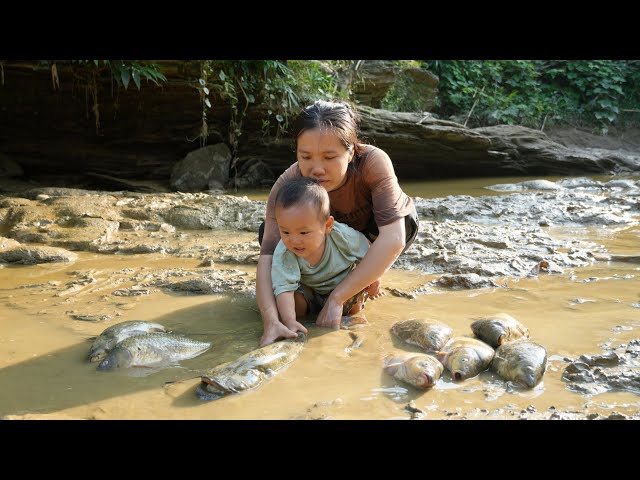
x=375 y=78
x=205 y=168
x=254 y=173
x=29 y=255
x=532 y=152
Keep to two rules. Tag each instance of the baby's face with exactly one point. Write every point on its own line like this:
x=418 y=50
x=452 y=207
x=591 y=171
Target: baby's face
x=303 y=231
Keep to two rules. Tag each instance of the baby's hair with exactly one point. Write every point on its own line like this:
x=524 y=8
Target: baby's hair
x=299 y=191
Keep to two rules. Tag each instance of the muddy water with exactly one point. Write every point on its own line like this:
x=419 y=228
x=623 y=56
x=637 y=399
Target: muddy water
x=44 y=372
x=442 y=188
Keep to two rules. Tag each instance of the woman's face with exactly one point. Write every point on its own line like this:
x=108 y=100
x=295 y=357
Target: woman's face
x=322 y=156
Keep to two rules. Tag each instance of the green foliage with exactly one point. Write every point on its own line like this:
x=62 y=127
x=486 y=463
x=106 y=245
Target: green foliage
x=535 y=93
x=630 y=103
x=280 y=87
x=300 y=84
x=532 y=92
x=407 y=63
x=490 y=92
x=406 y=94
x=126 y=70
x=593 y=88
x=343 y=75
x=122 y=71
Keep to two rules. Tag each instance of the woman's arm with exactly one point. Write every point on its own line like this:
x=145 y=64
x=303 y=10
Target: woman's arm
x=382 y=254
x=272 y=327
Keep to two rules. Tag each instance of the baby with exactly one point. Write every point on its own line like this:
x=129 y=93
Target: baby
x=314 y=253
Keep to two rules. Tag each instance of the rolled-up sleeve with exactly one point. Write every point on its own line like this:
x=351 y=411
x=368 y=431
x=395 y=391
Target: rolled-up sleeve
x=389 y=200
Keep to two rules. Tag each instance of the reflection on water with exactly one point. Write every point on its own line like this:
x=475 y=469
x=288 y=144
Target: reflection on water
x=442 y=188
x=44 y=372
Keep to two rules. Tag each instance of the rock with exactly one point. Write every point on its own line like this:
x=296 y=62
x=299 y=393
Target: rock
x=6 y=243
x=253 y=173
x=202 y=168
x=34 y=255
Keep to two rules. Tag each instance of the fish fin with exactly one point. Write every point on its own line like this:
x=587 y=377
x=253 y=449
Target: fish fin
x=391 y=364
x=171 y=382
x=211 y=381
x=440 y=355
x=204 y=394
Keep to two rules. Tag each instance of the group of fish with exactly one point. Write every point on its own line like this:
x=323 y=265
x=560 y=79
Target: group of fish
x=501 y=343
x=142 y=344
x=147 y=344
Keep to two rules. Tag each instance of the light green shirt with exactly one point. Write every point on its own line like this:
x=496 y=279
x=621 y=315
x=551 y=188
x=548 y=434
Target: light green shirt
x=344 y=247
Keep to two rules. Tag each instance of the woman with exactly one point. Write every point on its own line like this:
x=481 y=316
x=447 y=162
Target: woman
x=364 y=194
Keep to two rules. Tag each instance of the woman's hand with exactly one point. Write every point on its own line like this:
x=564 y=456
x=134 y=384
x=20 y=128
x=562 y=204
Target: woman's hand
x=331 y=314
x=374 y=290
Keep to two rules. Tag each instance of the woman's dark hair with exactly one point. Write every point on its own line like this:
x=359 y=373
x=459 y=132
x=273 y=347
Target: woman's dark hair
x=301 y=190
x=338 y=116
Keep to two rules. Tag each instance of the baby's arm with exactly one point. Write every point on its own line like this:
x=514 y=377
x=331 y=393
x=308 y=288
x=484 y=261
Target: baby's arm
x=286 y=308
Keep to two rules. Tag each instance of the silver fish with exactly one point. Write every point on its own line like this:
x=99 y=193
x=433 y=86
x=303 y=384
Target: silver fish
x=357 y=342
x=428 y=334
x=152 y=350
x=250 y=370
x=417 y=369
x=498 y=329
x=522 y=362
x=465 y=357
x=111 y=336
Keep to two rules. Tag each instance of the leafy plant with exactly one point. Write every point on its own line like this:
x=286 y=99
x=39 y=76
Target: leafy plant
x=88 y=73
x=283 y=87
x=279 y=87
x=593 y=86
x=537 y=92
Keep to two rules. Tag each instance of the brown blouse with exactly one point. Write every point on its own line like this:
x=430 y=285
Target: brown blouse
x=371 y=197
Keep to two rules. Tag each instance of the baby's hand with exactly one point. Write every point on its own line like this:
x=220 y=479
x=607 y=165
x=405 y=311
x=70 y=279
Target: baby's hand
x=296 y=326
x=374 y=290
x=274 y=332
